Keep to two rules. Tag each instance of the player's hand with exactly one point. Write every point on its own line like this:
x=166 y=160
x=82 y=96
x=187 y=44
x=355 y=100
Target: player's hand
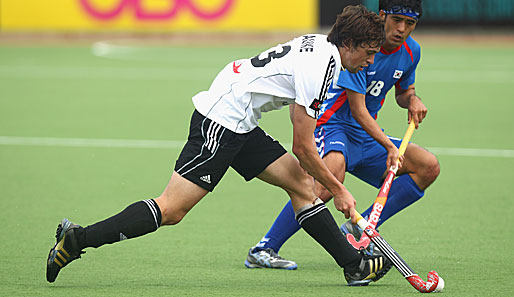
x=417 y=111
x=345 y=203
x=354 y=217
x=392 y=156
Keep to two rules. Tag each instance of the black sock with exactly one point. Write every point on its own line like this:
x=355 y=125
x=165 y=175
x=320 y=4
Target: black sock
x=318 y=222
x=137 y=219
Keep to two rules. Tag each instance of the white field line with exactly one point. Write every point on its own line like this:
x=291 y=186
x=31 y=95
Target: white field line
x=183 y=72
x=471 y=152
x=110 y=50
x=174 y=144
x=106 y=49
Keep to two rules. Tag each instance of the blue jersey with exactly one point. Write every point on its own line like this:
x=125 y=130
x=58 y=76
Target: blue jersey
x=395 y=68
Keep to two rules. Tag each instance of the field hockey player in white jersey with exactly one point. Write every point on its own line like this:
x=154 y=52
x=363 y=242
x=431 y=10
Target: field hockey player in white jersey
x=224 y=133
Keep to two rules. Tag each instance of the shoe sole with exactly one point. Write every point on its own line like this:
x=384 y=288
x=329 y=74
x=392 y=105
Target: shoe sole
x=361 y=283
x=251 y=266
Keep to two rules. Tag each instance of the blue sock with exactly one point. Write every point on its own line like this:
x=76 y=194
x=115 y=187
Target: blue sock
x=403 y=193
x=285 y=226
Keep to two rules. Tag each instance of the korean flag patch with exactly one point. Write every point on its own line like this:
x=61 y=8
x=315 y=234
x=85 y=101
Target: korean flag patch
x=397 y=74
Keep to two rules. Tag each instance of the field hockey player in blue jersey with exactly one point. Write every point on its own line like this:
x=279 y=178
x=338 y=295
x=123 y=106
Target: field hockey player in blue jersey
x=350 y=140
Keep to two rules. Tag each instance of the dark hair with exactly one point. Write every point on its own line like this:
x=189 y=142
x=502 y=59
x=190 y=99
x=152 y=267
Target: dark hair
x=356 y=26
x=415 y=5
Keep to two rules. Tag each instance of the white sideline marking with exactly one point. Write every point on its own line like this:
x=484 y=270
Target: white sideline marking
x=174 y=144
x=104 y=49
x=471 y=152
x=183 y=72
x=110 y=50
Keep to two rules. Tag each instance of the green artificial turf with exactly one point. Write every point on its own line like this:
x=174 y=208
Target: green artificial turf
x=462 y=227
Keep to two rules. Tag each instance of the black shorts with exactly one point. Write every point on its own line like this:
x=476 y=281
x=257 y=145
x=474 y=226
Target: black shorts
x=212 y=148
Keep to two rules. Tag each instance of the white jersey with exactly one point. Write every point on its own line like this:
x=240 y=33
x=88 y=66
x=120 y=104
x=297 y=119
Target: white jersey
x=299 y=71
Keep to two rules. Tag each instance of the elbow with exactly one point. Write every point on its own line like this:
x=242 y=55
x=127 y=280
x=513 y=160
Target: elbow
x=361 y=116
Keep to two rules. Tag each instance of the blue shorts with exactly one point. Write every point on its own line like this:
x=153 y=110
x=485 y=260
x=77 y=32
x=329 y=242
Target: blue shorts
x=365 y=157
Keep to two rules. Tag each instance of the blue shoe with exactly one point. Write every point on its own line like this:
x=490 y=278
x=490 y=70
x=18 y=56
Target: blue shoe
x=267 y=258
x=349 y=228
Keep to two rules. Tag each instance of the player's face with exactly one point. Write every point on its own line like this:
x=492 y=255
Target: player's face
x=355 y=59
x=397 y=28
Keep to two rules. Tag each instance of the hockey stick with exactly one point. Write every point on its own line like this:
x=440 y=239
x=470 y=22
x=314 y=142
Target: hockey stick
x=381 y=199
x=435 y=283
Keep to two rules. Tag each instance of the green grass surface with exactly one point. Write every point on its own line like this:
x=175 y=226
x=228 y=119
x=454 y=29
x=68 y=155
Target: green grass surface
x=462 y=228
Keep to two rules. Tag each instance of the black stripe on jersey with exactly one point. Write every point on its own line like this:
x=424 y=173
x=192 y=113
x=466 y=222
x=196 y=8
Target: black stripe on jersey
x=327 y=80
x=329 y=75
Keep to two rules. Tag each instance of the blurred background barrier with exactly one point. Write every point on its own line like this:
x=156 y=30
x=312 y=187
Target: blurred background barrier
x=458 y=14
x=158 y=15
x=228 y=15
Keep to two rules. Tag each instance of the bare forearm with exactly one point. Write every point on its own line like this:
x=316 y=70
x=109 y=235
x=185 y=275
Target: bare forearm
x=408 y=99
x=361 y=114
x=403 y=98
x=372 y=128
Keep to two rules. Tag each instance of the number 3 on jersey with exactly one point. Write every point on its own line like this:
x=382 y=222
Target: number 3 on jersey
x=272 y=54
x=375 y=87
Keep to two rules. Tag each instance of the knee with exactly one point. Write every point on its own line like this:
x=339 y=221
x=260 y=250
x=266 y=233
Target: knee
x=171 y=213
x=303 y=186
x=431 y=169
x=170 y=217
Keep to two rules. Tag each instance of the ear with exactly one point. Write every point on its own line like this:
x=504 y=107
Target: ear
x=382 y=14
x=348 y=45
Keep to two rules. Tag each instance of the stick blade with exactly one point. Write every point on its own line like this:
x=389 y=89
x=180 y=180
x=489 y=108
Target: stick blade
x=358 y=245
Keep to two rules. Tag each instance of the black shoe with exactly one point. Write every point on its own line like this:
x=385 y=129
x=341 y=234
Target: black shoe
x=371 y=250
x=64 y=251
x=369 y=270
x=387 y=265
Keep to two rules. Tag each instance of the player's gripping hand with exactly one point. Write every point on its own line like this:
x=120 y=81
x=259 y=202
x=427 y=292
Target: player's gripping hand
x=392 y=156
x=345 y=203
x=417 y=111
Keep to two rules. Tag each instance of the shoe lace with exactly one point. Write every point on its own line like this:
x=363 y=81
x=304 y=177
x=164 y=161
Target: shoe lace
x=366 y=256
x=58 y=231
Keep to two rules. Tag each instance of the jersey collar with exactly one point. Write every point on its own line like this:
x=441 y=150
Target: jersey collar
x=383 y=50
